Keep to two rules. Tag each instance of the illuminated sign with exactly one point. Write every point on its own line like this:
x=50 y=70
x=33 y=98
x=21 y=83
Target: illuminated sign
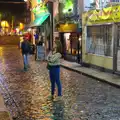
x=68 y=6
x=41 y=8
x=68 y=28
x=40 y=20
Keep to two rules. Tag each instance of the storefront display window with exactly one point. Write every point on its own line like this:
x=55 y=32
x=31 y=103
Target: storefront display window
x=99 y=40
x=67 y=41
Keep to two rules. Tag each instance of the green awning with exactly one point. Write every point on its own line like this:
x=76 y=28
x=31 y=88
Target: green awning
x=39 y=21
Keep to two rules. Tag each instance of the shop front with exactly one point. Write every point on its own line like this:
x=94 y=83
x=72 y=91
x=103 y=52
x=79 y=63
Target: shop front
x=41 y=25
x=101 y=36
x=71 y=42
x=42 y=22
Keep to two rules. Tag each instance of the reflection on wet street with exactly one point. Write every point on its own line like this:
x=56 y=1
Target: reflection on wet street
x=26 y=93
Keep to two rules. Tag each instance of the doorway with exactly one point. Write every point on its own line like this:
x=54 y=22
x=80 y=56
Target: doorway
x=71 y=44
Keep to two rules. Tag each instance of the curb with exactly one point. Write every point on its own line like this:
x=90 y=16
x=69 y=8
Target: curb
x=91 y=76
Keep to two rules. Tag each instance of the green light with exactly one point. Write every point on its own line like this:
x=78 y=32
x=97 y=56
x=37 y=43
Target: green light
x=41 y=13
x=65 y=11
x=40 y=10
x=38 y=1
x=39 y=21
x=68 y=6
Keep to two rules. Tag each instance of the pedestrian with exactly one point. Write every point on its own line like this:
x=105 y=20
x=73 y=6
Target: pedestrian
x=40 y=42
x=25 y=51
x=29 y=37
x=36 y=38
x=58 y=45
x=54 y=72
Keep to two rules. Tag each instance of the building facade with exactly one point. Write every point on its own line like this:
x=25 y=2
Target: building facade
x=100 y=39
x=41 y=21
x=68 y=24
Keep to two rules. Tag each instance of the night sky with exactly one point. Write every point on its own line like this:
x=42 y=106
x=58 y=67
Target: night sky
x=12 y=9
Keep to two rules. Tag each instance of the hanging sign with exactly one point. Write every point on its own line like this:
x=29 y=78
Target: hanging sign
x=41 y=8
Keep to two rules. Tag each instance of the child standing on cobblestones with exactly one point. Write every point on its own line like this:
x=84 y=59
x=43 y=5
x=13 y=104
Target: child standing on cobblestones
x=54 y=72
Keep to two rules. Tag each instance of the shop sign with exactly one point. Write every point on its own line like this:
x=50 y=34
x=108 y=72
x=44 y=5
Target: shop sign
x=110 y=14
x=68 y=28
x=41 y=8
x=40 y=53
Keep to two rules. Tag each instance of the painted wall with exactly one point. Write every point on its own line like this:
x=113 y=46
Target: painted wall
x=101 y=61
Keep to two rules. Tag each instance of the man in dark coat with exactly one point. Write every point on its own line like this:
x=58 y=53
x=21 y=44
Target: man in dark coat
x=25 y=51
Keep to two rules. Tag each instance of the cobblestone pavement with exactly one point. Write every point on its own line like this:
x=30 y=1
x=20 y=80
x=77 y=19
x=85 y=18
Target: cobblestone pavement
x=26 y=93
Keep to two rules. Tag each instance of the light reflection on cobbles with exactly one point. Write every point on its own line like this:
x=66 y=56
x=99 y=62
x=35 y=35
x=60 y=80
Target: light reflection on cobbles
x=26 y=93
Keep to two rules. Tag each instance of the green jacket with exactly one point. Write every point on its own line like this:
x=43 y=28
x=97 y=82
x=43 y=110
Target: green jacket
x=54 y=59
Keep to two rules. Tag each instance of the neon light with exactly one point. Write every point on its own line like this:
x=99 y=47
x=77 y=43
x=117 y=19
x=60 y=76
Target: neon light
x=40 y=9
x=68 y=6
x=38 y=1
x=39 y=21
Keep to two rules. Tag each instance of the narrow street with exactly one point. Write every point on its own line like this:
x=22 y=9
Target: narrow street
x=26 y=93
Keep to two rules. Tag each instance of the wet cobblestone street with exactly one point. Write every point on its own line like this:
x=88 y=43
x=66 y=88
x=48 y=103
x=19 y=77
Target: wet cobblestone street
x=26 y=93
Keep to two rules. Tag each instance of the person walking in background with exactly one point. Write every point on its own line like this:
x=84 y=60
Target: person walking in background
x=25 y=51
x=36 y=38
x=29 y=37
x=58 y=45
x=54 y=72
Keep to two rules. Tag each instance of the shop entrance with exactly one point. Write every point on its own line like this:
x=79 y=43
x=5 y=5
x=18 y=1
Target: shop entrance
x=71 y=43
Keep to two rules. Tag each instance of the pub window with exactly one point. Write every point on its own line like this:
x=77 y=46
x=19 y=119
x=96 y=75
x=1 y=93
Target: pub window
x=99 y=40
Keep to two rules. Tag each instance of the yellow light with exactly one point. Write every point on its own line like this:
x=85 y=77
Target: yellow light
x=66 y=24
x=21 y=27
x=17 y=29
x=4 y=24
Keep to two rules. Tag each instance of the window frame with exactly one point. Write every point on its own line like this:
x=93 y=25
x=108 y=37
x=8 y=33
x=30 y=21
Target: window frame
x=106 y=37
